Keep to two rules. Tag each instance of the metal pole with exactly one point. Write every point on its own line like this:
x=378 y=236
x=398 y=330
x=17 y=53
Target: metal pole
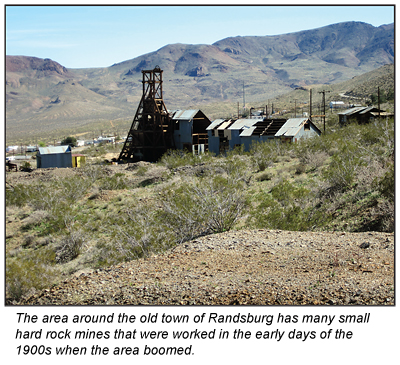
x=323 y=102
x=379 y=104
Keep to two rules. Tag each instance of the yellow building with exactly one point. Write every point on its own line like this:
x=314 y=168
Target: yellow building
x=78 y=160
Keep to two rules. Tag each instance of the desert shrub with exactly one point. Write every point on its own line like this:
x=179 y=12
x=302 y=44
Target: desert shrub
x=386 y=184
x=341 y=172
x=310 y=154
x=142 y=170
x=236 y=151
x=265 y=176
x=92 y=172
x=286 y=206
x=115 y=182
x=234 y=167
x=177 y=158
x=71 y=245
x=35 y=219
x=206 y=205
x=134 y=233
x=73 y=188
x=263 y=154
x=300 y=169
x=29 y=271
x=18 y=195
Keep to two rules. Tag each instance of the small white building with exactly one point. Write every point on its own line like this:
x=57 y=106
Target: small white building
x=337 y=105
x=31 y=148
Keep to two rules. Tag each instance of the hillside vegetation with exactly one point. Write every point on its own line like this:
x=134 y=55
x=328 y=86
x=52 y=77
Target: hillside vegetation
x=60 y=221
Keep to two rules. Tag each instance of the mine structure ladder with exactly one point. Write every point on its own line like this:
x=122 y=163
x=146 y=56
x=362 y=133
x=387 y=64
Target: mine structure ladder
x=151 y=132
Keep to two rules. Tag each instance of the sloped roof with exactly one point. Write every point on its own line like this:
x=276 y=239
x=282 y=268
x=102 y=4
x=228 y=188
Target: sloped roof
x=352 y=110
x=247 y=132
x=224 y=125
x=369 y=109
x=240 y=123
x=291 y=127
x=185 y=114
x=54 y=150
x=215 y=123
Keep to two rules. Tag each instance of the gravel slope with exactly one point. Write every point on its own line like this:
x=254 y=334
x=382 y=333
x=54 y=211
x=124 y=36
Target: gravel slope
x=261 y=267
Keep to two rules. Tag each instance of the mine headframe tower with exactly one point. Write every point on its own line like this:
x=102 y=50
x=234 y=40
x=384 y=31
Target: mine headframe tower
x=152 y=132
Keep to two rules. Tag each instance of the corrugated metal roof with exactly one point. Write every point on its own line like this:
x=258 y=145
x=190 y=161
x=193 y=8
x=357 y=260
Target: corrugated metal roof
x=224 y=125
x=291 y=127
x=240 y=123
x=247 y=132
x=366 y=110
x=215 y=123
x=185 y=114
x=54 y=150
x=352 y=110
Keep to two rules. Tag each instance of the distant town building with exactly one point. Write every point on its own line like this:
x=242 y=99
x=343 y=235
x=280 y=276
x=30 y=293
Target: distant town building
x=337 y=105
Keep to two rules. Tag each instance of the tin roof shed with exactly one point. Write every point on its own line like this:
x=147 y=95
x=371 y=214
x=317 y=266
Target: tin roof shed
x=59 y=156
x=291 y=127
x=298 y=128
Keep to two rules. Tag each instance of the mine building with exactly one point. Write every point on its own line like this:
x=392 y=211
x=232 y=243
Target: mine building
x=190 y=130
x=262 y=131
x=296 y=128
x=155 y=130
x=360 y=115
x=226 y=134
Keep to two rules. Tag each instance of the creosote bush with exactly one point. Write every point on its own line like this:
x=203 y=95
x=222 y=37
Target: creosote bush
x=29 y=271
x=205 y=205
x=286 y=206
x=133 y=233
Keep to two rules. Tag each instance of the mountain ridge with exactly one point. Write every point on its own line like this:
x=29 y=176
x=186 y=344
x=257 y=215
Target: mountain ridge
x=41 y=92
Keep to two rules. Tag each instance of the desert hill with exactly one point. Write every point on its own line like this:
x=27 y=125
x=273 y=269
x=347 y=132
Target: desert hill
x=43 y=96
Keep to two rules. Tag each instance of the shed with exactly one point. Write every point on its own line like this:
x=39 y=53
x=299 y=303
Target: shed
x=296 y=128
x=78 y=160
x=59 y=156
x=190 y=129
x=359 y=114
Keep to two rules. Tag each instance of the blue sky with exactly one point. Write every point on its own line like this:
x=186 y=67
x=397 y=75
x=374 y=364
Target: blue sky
x=99 y=36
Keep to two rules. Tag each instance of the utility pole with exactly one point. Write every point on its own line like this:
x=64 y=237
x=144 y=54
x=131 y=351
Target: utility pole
x=311 y=104
x=323 y=103
x=295 y=107
x=244 y=100
x=379 y=104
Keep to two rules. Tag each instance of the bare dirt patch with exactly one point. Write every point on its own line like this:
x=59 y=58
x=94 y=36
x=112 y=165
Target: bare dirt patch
x=259 y=267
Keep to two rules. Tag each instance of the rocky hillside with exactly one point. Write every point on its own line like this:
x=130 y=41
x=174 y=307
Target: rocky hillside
x=263 y=267
x=43 y=96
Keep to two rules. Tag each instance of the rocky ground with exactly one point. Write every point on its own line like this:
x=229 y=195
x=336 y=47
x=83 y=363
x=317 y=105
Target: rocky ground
x=261 y=267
